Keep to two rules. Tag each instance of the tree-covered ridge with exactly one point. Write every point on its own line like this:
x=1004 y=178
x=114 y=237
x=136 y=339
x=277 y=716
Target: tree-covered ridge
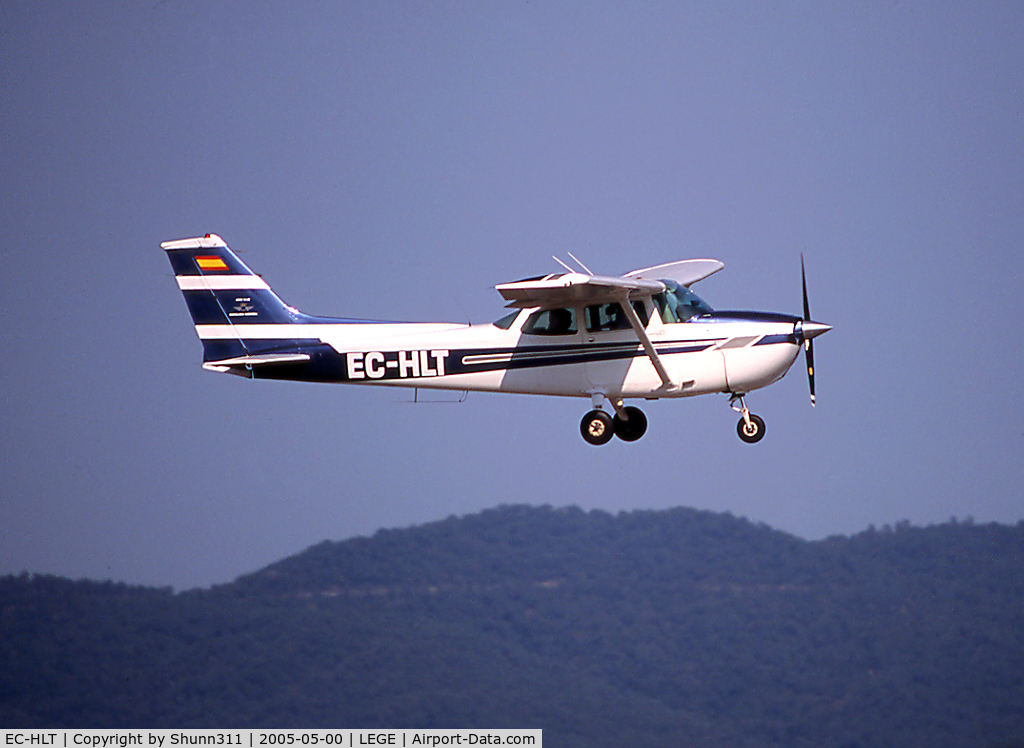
x=520 y=543
x=639 y=628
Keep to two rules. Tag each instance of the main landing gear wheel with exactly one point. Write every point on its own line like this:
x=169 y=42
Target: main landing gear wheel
x=597 y=427
x=753 y=431
x=633 y=427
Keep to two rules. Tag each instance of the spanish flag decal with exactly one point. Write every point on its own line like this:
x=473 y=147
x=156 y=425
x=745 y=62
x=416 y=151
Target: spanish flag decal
x=210 y=262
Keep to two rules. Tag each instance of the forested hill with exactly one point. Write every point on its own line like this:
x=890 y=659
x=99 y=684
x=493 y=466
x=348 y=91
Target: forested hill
x=655 y=628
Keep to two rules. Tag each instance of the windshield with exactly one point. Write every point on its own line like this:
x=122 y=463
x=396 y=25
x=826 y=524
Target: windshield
x=678 y=303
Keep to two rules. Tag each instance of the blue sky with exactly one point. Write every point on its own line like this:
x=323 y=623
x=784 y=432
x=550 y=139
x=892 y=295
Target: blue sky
x=398 y=160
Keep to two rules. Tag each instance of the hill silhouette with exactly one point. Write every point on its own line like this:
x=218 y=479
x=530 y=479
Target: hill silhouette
x=676 y=627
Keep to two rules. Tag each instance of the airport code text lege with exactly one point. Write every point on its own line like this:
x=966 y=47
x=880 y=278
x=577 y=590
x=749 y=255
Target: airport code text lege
x=261 y=738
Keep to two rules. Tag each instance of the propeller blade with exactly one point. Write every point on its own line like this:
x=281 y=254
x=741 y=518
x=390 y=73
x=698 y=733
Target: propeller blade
x=809 y=357
x=808 y=347
x=803 y=282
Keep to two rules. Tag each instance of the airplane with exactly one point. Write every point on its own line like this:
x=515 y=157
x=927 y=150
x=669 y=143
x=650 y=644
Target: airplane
x=642 y=335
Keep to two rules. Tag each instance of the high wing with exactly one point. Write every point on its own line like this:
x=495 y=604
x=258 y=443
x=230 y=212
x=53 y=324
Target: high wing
x=568 y=289
x=685 y=272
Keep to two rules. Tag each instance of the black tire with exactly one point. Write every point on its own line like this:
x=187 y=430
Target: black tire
x=597 y=427
x=632 y=429
x=753 y=434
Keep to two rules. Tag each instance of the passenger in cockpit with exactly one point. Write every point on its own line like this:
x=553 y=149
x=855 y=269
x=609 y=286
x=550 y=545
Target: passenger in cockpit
x=560 y=322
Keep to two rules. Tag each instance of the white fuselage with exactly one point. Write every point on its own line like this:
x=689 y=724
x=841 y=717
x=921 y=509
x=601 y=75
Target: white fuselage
x=732 y=354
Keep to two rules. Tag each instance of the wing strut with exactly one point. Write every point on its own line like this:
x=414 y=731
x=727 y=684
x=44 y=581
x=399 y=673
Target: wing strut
x=645 y=341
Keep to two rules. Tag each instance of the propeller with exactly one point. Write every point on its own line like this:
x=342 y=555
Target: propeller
x=806 y=330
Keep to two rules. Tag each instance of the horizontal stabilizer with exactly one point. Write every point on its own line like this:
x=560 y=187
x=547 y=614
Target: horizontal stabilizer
x=260 y=359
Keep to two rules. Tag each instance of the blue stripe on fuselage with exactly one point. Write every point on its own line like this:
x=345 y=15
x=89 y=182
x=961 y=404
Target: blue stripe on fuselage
x=732 y=316
x=327 y=365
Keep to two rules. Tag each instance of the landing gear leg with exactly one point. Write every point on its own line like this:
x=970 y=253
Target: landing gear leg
x=750 y=427
x=630 y=423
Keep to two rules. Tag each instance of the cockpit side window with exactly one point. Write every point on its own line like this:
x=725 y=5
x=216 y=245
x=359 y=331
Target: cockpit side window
x=603 y=317
x=551 y=322
x=678 y=303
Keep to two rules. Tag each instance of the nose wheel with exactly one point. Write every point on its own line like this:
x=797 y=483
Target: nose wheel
x=751 y=431
x=750 y=427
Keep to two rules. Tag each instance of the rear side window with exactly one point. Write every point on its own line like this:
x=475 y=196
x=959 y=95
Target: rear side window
x=602 y=317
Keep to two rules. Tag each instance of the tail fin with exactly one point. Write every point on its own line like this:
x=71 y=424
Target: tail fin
x=225 y=297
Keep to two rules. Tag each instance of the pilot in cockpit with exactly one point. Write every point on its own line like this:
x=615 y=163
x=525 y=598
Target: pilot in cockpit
x=560 y=321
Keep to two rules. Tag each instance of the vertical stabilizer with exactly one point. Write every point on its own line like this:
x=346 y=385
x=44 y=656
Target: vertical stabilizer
x=225 y=297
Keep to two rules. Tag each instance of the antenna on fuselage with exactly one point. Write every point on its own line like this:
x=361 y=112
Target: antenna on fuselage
x=576 y=260
x=562 y=264
x=573 y=257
